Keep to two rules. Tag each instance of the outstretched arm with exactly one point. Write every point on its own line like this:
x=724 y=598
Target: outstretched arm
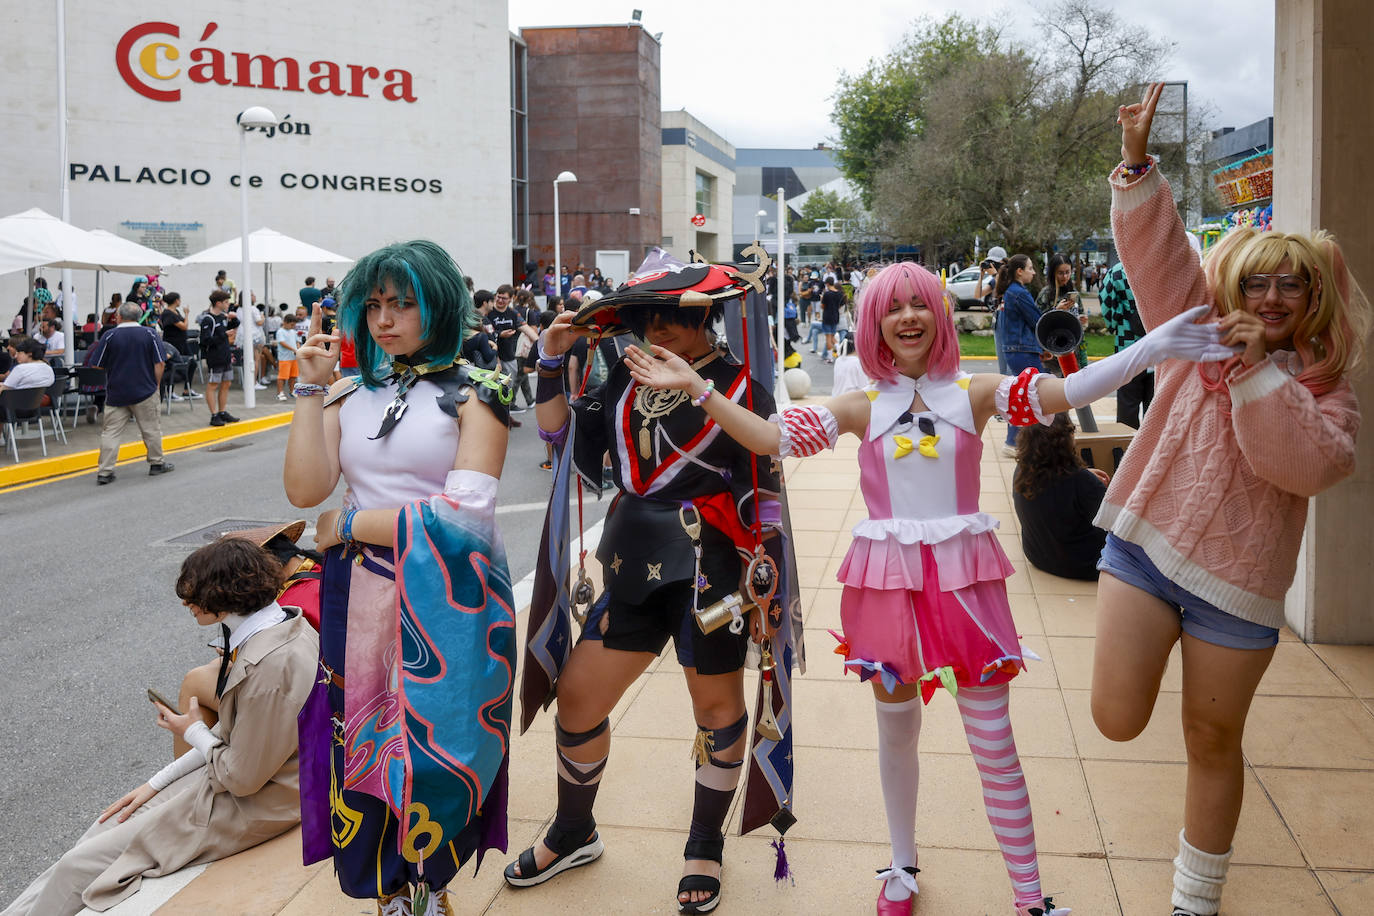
x=664 y=369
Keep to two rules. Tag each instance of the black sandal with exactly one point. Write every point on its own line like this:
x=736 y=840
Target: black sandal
x=570 y=854
x=708 y=850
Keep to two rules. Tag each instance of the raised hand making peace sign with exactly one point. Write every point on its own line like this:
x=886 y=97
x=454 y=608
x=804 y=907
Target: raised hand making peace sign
x=1135 y=121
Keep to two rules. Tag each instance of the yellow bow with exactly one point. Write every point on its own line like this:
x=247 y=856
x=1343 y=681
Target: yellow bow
x=905 y=446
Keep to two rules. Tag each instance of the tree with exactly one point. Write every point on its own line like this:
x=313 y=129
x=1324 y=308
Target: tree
x=824 y=205
x=884 y=105
x=1014 y=142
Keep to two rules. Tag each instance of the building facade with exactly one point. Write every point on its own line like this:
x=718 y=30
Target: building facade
x=593 y=109
x=378 y=117
x=698 y=189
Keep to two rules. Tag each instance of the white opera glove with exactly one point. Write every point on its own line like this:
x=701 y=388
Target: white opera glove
x=1177 y=338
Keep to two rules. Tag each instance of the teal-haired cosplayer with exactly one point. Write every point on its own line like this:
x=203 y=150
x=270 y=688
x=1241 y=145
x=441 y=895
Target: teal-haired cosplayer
x=424 y=270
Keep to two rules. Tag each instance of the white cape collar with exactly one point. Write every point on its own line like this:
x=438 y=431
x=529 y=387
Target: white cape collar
x=946 y=398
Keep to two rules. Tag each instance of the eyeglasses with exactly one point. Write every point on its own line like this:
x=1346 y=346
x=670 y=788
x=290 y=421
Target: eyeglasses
x=1291 y=286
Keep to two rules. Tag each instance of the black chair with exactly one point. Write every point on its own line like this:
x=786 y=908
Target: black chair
x=90 y=381
x=176 y=372
x=60 y=382
x=25 y=404
x=193 y=350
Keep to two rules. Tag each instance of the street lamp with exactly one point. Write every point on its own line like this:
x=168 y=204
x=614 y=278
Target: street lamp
x=557 y=246
x=758 y=222
x=257 y=116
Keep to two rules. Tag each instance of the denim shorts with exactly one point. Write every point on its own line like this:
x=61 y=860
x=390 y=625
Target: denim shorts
x=1201 y=620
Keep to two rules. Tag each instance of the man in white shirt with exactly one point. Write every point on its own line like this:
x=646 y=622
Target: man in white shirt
x=54 y=342
x=61 y=301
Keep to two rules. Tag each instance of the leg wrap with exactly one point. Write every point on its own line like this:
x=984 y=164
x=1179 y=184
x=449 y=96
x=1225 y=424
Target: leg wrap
x=716 y=782
x=578 y=783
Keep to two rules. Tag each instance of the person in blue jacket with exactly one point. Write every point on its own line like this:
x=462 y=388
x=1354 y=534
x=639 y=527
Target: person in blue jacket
x=1019 y=315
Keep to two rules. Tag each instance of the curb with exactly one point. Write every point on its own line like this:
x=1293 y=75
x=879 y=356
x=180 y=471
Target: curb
x=42 y=468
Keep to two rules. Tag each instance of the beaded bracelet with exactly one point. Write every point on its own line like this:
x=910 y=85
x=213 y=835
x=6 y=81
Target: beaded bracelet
x=1129 y=171
x=710 y=387
x=306 y=390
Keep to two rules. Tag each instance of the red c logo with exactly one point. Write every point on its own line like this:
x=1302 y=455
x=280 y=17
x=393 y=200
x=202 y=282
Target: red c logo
x=122 y=53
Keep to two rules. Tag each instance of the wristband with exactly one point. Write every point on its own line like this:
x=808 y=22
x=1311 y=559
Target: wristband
x=710 y=387
x=346 y=526
x=306 y=389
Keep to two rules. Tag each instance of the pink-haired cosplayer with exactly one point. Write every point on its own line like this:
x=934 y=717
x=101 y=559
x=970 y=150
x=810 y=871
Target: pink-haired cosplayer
x=925 y=599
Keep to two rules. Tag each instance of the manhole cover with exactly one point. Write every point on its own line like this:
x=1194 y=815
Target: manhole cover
x=207 y=533
x=225 y=446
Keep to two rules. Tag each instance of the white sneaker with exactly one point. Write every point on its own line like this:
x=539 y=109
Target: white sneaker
x=260 y=385
x=281 y=396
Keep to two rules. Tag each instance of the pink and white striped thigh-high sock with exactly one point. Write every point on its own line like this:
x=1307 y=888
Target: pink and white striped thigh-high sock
x=988 y=729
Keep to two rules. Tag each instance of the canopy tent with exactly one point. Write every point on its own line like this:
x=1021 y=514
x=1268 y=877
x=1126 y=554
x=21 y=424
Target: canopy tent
x=38 y=239
x=268 y=247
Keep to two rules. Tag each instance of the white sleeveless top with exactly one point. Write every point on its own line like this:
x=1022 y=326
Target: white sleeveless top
x=414 y=459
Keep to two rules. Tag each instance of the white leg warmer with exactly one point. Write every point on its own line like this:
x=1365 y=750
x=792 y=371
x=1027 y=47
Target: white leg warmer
x=1198 y=877
x=899 y=732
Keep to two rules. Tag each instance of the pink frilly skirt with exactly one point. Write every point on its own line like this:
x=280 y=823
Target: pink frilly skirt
x=934 y=614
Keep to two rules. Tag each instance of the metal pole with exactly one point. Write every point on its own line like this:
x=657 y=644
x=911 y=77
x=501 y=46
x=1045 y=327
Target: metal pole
x=781 y=395
x=245 y=332
x=557 y=250
x=62 y=157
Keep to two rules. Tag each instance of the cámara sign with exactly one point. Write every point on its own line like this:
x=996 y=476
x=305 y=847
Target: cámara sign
x=143 y=63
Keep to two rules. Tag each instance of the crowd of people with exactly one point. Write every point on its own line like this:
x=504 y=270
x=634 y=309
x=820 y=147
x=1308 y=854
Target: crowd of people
x=382 y=720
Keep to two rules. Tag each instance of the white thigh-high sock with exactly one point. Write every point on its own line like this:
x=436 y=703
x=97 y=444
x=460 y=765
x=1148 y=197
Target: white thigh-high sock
x=899 y=731
x=1198 y=877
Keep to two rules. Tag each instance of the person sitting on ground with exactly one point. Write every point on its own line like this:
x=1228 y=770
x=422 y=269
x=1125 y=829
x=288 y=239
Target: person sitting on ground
x=237 y=786
x=300 y=588
x=1056 y=498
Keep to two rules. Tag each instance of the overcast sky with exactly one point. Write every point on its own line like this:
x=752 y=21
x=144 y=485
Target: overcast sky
x=769 y=81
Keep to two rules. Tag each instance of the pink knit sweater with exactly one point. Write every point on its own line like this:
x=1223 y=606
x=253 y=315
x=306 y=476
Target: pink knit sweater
x=1214 y=488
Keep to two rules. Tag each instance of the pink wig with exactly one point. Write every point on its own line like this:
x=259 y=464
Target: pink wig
x=900 y=282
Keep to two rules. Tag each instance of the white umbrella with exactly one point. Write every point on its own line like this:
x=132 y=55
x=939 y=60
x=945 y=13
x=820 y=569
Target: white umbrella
x=266 y=246
x=38 y=239
x=133 y=250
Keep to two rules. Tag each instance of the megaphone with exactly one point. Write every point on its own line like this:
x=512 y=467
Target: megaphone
x=1059 y=331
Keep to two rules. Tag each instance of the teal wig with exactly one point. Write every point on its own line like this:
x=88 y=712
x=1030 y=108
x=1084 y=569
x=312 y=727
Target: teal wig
x=420 y=271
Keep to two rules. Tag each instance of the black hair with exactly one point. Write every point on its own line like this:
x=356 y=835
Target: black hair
x=35 y=348
x=171 y=298
x=1055 y=261
x=638 y=318
x=284 y=549
x=482 y=297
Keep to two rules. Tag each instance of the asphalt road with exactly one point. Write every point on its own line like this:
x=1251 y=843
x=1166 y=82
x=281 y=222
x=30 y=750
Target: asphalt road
x=90 y=619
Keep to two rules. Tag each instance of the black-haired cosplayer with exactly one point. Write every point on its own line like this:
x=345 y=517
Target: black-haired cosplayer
x=691 y=550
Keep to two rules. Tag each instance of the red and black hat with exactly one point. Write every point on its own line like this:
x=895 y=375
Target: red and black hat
x=665 y=281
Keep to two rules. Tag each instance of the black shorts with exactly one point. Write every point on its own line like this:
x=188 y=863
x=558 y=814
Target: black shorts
x=667 y=613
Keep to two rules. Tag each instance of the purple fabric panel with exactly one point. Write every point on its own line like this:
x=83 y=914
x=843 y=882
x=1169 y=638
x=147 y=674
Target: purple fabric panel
x=968 y=454
x=315 y=732
x=873 y=479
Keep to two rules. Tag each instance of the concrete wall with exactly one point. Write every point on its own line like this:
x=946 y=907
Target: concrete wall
x=690 y=147
x=454 y=137
x=594 y=111
x=1324 y=127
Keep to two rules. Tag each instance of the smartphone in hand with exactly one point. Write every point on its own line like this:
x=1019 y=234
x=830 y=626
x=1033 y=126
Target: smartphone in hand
x=155 y=697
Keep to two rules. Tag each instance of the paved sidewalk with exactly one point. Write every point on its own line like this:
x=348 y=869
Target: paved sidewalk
x=188 y=425
x=1107 y=815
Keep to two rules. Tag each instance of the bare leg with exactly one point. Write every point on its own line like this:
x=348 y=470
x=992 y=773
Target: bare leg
x=1135 y=632
x=717 y=702
x=592 y=683
x=1218 y=685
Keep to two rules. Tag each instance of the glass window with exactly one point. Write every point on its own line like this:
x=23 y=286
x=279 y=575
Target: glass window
x=706 y=189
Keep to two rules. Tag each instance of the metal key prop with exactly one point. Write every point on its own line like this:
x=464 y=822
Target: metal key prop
x=583 y=596
x=768 y=723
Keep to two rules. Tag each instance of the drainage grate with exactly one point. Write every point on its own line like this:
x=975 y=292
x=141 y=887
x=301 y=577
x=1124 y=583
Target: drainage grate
x=207 y=533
